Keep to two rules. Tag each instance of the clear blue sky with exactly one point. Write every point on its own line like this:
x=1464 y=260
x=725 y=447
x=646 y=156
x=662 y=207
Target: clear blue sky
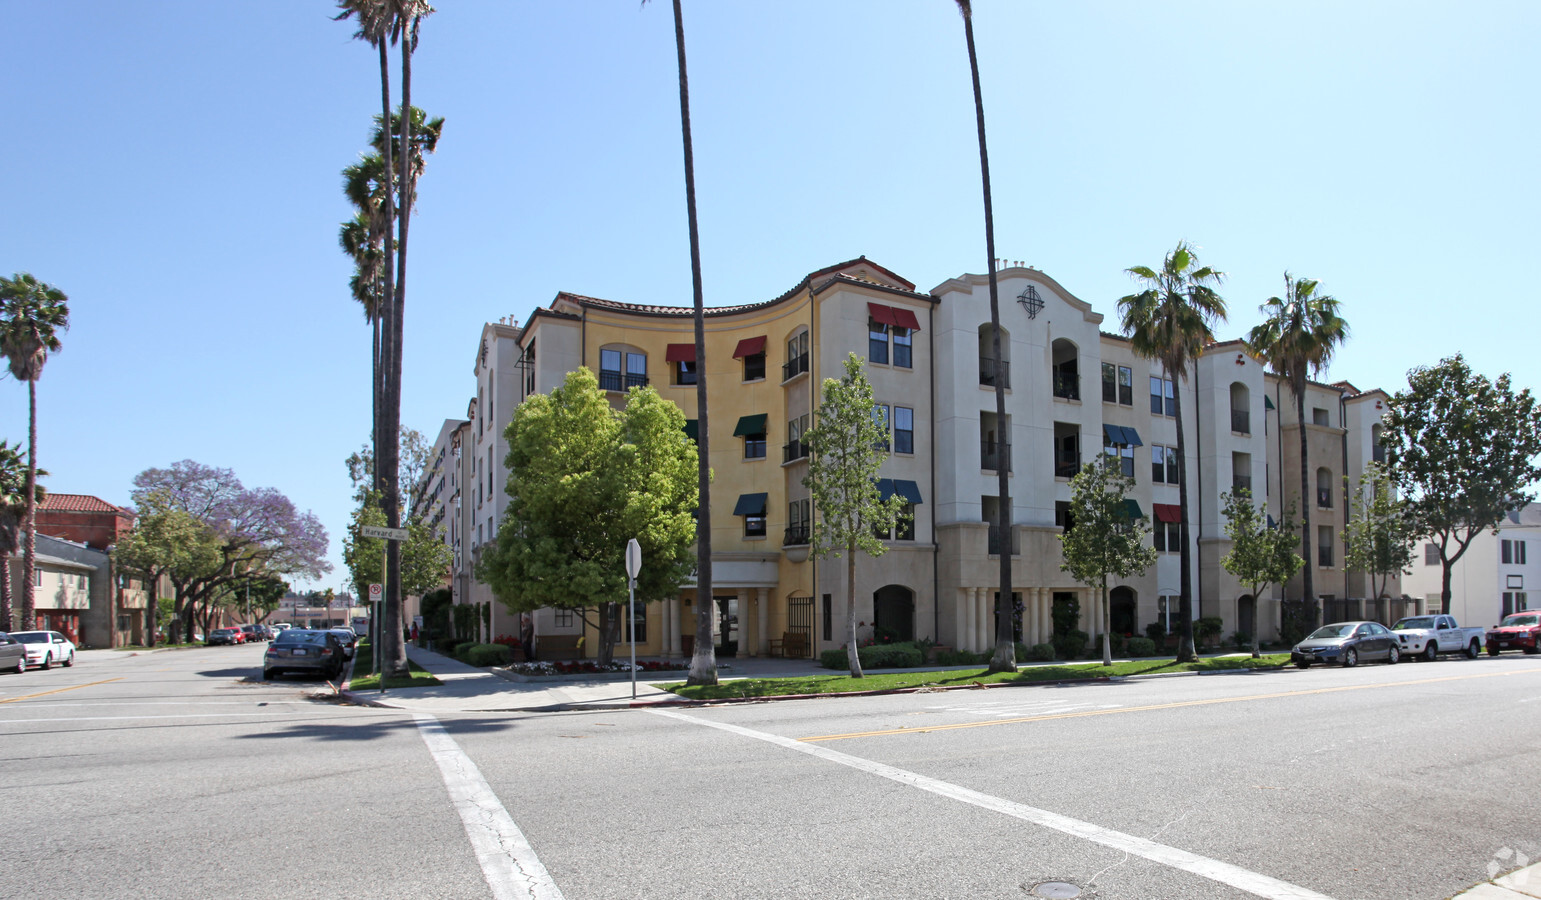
x=173 y=166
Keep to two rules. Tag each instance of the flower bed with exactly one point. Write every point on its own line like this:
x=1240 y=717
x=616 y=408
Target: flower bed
x=589 y=667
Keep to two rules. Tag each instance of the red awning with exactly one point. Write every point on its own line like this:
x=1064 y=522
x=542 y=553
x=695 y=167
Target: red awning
x=905 y=318
x=749 y=347
x=883 y=315
x=681 y=353
x=1168 y=512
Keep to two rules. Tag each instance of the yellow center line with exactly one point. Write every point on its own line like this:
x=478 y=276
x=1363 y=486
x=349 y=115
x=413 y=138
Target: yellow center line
x=59 y=690
x=1129 y=709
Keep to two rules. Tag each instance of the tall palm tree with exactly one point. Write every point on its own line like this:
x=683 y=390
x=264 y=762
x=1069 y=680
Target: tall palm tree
x=1170 y=321
x=1299 y=334
x=703 y=662
x=32 y=316
x=1004 y=659
x=13 y=510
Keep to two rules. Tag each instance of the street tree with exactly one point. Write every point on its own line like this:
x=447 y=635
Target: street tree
x=1381 y=530
x=412 y=465
x=1106 y=539
x=1261 y=553
x=847 y=446
x=1298 y=336
x=1003 y=659
x=13 y=511
x=167 y=542
x=32 y=316
x=1171 y=322
x=585 y=478
x=1463 y=452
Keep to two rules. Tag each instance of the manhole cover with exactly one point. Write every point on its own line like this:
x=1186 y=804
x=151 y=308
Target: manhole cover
x=1057 y=890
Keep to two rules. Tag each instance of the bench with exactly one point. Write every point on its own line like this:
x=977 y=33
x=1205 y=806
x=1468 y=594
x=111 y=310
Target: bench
x=791 y=645
x=558 y=646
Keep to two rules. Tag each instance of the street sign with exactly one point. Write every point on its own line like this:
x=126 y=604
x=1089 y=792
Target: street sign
x=374 y=592
x=380 y=531
x=633 y=558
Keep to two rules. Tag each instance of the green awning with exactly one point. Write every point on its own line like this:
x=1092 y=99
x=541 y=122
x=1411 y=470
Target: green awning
x=750 y=425
x=1132 y=510
x=750 y=505
x=693 y=429
x=1268 y=402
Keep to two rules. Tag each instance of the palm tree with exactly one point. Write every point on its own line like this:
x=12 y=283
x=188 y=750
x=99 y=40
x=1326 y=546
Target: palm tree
x=1004 y=659
x=1170 y=321
x=32 y=315
x=13 y=509
x=703 y=662
x=1299 y=333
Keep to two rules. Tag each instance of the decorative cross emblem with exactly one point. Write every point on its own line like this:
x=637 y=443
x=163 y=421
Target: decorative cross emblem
x=1030 y=301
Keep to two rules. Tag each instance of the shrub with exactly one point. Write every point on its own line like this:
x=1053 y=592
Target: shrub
x=1071 y=644
x=446 y=645
x=1241 y=639
x=1207 y=628
x=893 y=656
x=957 y=658
x=834 y=659
x=461 y=649
x=1141 y=647
x=488 y=655
x=1156 y=632
x=1042 y=653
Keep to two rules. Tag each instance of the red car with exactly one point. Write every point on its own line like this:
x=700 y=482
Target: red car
x=1518 y=631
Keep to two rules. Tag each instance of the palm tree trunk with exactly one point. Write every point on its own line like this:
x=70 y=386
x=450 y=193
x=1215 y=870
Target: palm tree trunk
x=387 y=435
x=1185 y=650
x=1308 y=583
x=1107 y=641
x=1004 y=659
x=29 y=555
x=5 y=594
x=703 y=662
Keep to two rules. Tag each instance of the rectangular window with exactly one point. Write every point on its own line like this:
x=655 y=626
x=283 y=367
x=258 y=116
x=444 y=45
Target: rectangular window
x=902 y=349
x=1431 y=554
x=636 y=370
x=1062 y=517
x=880 y=419
x=1519 y=552
x=754 y=367
x=754 y=525
x=1163 y=464
x=1167 y=536
x=798 y=524
x=1163 y=399
x=1506 y=552
x=685 y=372
x=1109 y=383
x=877 y=342
x=754 y=447
x=904 y=429
x=795 y=448
x=610 y=377
x=1324 y=545
x=1170 y=396
x=1124 y=456
x=1319 y=416
x=564 y=618
x=1125 y=386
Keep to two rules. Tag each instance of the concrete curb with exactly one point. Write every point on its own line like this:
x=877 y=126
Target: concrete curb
x=1521 y=884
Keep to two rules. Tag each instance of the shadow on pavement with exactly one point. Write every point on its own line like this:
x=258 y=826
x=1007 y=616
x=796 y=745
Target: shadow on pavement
x=374 y=728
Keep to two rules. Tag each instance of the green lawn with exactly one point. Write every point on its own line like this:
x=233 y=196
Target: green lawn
x=887 y=681
x=364 y=678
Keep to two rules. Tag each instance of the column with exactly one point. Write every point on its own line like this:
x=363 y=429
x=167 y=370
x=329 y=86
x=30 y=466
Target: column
x=1092 y=597
x=971 y=624
x=960 y=618
x=985 y=637
x=743 y=617
x=1030 y=617
x=671 y=628
x=762 y=621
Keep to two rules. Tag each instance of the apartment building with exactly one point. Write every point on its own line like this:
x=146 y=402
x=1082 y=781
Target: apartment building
x=1492 y=579
x=1074 y=390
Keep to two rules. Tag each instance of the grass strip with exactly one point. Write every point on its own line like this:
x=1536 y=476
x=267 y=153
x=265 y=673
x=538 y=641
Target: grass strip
x=365 y=679
x=888 y=681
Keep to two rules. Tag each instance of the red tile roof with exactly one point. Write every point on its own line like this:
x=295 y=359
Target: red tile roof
x=81 y=503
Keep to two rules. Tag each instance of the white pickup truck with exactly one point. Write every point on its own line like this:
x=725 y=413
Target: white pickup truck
x=1428 y=636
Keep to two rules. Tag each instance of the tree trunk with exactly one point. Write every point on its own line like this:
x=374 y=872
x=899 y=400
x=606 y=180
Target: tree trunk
x=29 y=554
x=609 y=619
x=1308 y=583
x=1444 y=584
x=1185 y=652
x=387 y=458
x=5 y=594
x=1004 y=659
x=703 y=662
x=852 y=654
x=1107 y=640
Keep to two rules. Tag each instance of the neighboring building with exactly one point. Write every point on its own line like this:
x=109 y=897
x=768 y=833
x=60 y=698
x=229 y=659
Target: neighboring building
x=121 y=610
x=1074 y=391
x=73 y=595
x=83 y=519
x=1492 y=579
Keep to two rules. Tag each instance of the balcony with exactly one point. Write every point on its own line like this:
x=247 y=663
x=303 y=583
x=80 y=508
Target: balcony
x=1067 y=467
x=616 y=381
x=992 y=454
x=987 y=372
x=1241 y=421
x=793 y=450
x=1241 y=483
x=795 y=535
x=794 y=367
x=1067 y=385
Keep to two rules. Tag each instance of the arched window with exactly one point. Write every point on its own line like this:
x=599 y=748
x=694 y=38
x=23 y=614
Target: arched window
x=893 y=613
x=987 y=356
x=1241 y=399
x=621 y=368
x=1065 y=358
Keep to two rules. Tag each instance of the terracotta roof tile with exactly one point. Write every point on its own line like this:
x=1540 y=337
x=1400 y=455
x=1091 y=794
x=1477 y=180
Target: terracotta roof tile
x=81 y=503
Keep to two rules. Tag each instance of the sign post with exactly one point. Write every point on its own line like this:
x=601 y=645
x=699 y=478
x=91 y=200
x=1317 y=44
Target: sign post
x=633 y=566
x=376 y=650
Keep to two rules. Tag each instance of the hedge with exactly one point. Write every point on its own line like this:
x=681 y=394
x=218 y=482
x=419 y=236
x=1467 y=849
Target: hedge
x=486 y=654
x=1141 y=647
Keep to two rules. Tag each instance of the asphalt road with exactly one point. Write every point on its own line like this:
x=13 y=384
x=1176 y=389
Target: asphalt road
x=170 y=775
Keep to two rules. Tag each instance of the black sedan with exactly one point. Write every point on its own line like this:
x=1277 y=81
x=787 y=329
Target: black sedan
x=304 y=650
x=1347 y=643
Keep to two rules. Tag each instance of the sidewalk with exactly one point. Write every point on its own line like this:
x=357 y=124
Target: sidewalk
x=1522 y=884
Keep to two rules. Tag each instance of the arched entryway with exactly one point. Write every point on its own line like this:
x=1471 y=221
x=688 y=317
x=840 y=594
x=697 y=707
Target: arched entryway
x=1121 y=611
x=893 y=613
x=1246 y=615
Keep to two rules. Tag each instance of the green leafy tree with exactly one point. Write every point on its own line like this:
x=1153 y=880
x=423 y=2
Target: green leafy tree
x=425 y=558
x=584 y=479
x=32 y=316
x=1003 y=659
x=1298 y=336
x=1106 y=539
x=13 y=511
x=1381 y=529
x=1260 y=554
x=412 y=466
x=170 y=542
x=1170 y=321
x=846 y=450
x=1463 y=452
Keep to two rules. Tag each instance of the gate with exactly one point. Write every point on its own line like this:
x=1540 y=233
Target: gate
x=800 y=619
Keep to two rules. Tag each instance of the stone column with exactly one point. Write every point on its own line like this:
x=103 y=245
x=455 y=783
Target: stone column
x=761 y=617
x=1030 y=617
x=970 y=619
x=960 y=618
x=672 y=626
x=985 y=638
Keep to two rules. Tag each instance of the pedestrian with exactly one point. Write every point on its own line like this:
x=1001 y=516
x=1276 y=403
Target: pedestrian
x=527 y=636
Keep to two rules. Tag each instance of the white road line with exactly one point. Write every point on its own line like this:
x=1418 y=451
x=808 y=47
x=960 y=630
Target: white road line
x=512 y=869
x=210 y=715
x=1213 y=869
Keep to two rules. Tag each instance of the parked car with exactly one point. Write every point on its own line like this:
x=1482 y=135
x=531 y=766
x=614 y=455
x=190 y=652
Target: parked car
x=1428 y=636
x=1347 y=643
x=304 y=650
x=348 y=637
x=1518 y=631
x=13 y=654
x=252 y=633
x=44 y=648
x=224 y=636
